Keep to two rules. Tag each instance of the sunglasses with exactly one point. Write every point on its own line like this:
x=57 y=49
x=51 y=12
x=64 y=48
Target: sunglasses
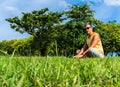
x=87 y=27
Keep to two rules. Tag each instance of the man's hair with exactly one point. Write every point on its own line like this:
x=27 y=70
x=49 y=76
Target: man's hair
x=88 y=24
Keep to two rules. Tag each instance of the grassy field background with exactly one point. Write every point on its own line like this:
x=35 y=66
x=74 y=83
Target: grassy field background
x=59 y=72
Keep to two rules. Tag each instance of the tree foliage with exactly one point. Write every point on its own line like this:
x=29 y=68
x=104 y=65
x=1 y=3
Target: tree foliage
x=21 y=47
x=39 y=24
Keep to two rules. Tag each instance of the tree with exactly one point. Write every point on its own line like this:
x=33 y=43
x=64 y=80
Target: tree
x=39 y=24
x=22 y=47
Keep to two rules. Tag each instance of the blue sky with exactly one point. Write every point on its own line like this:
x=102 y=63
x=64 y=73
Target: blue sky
x=106 y=10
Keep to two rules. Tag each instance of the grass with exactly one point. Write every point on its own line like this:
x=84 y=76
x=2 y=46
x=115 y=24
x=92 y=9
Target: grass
x=59 y=72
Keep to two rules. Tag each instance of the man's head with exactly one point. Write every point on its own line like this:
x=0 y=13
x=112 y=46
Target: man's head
x=88 y=28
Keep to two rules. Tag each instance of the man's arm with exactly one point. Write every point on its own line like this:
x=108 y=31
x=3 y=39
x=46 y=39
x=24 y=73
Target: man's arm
x=83 y=49
x=80 y=53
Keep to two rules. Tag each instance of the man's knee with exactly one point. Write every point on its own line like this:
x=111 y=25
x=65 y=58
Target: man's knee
x=92 y=50
x=77 y=51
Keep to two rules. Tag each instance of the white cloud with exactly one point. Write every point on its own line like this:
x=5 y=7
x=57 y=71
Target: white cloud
x=63 y=3
x=106 y=2
x=96 y=1
x=112 y=2
x=51 y=4
x=11 y=8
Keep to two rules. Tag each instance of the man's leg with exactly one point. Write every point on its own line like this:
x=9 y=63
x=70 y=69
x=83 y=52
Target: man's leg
x=94 y=52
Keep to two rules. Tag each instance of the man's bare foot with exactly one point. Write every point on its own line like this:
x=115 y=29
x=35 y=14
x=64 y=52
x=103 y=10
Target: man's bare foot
x=78 y=56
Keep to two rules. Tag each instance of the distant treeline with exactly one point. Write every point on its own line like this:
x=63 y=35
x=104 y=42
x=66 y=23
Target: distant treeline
x=59 y=33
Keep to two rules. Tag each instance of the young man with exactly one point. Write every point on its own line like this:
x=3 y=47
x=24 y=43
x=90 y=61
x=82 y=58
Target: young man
x=93 y=46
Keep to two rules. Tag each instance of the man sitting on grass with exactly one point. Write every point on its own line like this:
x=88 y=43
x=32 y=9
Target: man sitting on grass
x=93 y=46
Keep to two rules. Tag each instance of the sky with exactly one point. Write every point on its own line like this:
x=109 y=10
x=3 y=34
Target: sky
x=105 y=10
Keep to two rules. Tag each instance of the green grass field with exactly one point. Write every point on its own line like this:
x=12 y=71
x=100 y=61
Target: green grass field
x=59 y=72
